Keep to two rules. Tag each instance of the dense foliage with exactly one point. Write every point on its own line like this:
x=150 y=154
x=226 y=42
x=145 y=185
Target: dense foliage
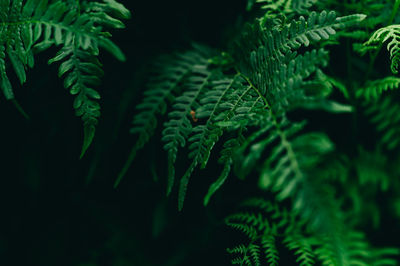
x=288 y=129
x=244 y=97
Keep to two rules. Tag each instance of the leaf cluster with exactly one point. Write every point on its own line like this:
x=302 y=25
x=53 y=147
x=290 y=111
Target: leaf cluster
x=77 y=27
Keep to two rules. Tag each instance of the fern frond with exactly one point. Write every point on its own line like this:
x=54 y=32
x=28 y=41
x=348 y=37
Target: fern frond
x=266 y=45
x=289 y=169
x=227 y=154
x=254 y=251
x=272 y=222
x=262 y=233
x=390 y=33
x=179 y=127
x=268 y=243
x=218 y=183
x=256 y=220
x=385 y=115
x=82 y=70
x=289 y=172
x=301 y=248
x=266 y=54
x=203 y=139
x=278 y=76
x=283 y=92
x=216 y=107
x=374 y=89
x=241 y=249
x=62 y=25
x=342 y=247
x=35 y=25
x=14 y=44
x=248 y=230
x=161 y=90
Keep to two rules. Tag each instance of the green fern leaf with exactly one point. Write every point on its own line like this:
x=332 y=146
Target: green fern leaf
x=227 y=154
x=82 y=71
x=392 y=34
x=262 y=228
x=374 y=89
x=241 y=249
x=254 y=251
x=268 y=243
x=309 y=247
x=301 y=248
x=178 y=128
x=206 y=135
x=276 y=41
x=161 y=90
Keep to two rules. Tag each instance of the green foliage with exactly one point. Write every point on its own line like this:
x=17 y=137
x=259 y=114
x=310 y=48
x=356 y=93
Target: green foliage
x=247 y=105
x=264 y=58
x=287 y=131
x=168 y=81
x=32 y=26
x=392 y=34
x=385 y=115
x=240 y=104
x=374 y=89
x=264 y=108
x=268 y=226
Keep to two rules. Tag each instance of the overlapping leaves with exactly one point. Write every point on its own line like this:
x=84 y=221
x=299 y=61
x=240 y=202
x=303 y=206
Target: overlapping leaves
x=32 y=26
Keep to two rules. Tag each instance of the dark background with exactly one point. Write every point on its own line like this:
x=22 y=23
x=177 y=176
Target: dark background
x=58 y=210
